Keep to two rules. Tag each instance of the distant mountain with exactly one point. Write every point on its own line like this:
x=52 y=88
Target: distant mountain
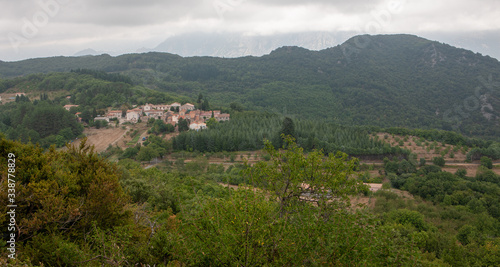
x=239 y=45
x=384 y=80
x=87 y=52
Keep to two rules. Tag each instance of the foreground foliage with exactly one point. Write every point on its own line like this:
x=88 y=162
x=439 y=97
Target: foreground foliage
x=455 y=219
x=299 y=214
x=77 y=209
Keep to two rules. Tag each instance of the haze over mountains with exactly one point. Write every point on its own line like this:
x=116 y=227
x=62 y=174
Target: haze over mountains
x=383 y=80
x=239 y=45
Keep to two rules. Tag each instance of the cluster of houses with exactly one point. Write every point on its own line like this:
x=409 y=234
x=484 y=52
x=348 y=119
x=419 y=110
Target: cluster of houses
x=171 y=114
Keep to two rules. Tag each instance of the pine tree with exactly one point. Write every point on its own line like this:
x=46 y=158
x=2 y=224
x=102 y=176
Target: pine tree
x=205 y=106
x=183 y=125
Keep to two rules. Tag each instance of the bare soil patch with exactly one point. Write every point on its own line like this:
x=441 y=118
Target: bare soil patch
x=102 y=138
x=425 y=151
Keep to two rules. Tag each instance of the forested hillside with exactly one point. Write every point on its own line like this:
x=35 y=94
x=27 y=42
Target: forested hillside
x=39 y=117
x=248 y=131
x=76 y=208
x=40 y=122
x=384 y=80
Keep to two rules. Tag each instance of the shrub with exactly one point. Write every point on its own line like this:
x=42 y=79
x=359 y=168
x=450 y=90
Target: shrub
x=386 y=185
x=68 y=190
x=486 y=162
x=407 y=217
x=467 y=234
x=461 y=172
x=386 y=194
x=429 y=169
x=438 y=161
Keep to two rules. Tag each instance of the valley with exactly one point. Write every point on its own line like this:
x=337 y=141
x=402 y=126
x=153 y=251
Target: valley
x=394 y=82
x=455 y=157
x=387 y=157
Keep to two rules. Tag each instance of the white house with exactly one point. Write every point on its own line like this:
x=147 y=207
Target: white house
x=206 y=115
x=175 y=118
x=101 y=119
x=154 y=113
x=162 y=107
x=114 y=114
x=222 y=117
x=134 y=115
x=68 y=107
x=147 y=107
x=175 y=105
x=197 y=126
x=187 y=106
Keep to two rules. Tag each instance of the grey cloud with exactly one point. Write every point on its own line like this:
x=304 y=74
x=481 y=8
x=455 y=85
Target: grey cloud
x=91 y=23
x=109 y=13
x=352 y=6
x=137 y=13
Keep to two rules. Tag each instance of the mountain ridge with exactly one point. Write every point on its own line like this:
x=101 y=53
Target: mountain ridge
x=238 y=45
x=83 y=56
x=383 y=80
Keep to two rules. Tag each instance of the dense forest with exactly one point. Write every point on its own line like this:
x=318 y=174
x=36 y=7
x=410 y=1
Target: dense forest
x=42 y=118
x=396 y=80
x=38 y=122
x=247 y=131
x=76 y=208
x=95 y=89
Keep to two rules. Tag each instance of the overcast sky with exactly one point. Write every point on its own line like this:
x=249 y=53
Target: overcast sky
x=41 y=28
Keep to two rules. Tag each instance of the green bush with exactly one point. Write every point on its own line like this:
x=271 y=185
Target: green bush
x=407 y=217
x=461 y=172
x=438 y=161
x=486 y=162
x=53 y=250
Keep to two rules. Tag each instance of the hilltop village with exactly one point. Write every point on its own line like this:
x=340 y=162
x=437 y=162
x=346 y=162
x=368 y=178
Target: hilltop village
x=170 y=114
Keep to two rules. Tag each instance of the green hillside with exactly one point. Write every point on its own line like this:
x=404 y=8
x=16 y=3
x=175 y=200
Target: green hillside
x=40 y=117
x=383 y=80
